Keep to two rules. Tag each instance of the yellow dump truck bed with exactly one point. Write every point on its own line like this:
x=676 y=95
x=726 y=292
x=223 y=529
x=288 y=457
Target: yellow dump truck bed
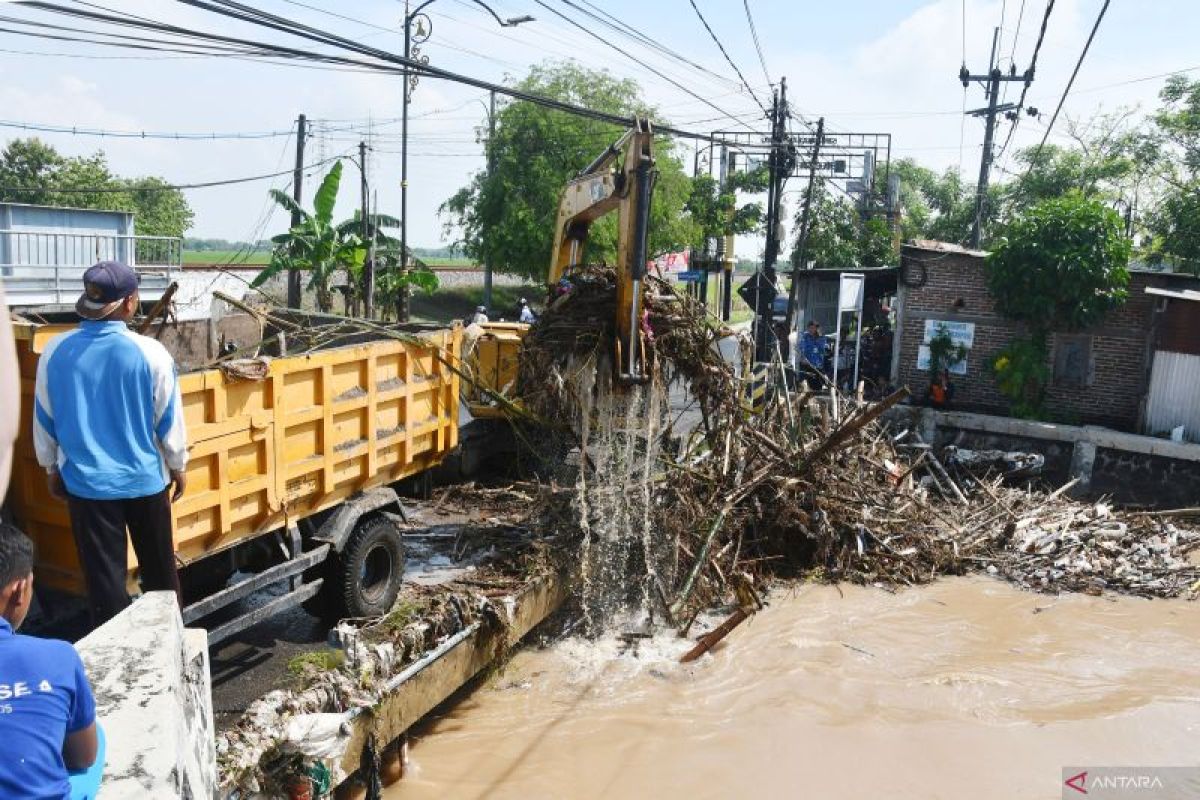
x=315 y=430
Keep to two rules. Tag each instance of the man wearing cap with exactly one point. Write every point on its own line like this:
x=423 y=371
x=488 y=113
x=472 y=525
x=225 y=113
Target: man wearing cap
x=108 y=429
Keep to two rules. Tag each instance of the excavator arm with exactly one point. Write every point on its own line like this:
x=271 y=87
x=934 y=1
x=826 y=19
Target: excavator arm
x=597 y=190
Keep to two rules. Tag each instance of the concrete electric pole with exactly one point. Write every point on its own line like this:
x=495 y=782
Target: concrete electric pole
x=991 y=82
x=293 y=279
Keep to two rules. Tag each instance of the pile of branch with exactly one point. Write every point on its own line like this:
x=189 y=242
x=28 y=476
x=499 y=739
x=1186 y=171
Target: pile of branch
x=815 y=485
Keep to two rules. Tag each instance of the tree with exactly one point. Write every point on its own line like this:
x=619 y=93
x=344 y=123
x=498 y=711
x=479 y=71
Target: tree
x=1061 y=264
x=1174 y=222
x=838 y=236
x=938 y=206
x=506 y=215
x=393 y=281
x=32 y=171
x=315 y=244
x=714 y=208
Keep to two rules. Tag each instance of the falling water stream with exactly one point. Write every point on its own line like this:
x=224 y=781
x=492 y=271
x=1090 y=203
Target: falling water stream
x=964 y=688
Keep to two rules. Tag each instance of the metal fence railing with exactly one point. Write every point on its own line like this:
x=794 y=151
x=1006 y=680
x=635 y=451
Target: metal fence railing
x=45 y=267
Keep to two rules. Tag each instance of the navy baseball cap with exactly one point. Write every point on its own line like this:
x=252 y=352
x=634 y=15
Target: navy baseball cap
x=105 y=285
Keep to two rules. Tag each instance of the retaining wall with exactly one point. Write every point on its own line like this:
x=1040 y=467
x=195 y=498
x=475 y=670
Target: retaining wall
x=153 y=693
x=1132 y=469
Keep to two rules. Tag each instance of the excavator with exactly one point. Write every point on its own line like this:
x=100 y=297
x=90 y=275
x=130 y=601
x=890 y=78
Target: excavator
x=621 y=179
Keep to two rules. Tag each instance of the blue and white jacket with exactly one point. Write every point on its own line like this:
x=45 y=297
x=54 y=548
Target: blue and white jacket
x=107 y=413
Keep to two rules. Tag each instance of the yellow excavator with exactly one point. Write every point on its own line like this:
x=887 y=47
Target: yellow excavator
x=603 y=186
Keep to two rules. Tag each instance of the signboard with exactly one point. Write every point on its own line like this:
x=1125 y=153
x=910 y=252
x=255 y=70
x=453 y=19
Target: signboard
x=672 y=262
x=850 y=292
x=758 y=292
x=690 y=276
x=961 y=333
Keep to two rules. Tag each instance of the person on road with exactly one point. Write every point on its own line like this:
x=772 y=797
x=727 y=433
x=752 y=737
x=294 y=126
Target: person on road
x=47 y=712
x=812 y=352
x=480 y=316
x=108 y=429
x=525 y=314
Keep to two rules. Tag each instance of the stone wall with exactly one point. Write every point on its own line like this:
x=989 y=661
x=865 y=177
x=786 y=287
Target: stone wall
x=955 y=290
x=1131 y=469
x=153 y=693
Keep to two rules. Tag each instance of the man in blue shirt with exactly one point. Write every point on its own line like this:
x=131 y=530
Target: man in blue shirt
x=108 y=429
x=47 y=713
x=812 y=351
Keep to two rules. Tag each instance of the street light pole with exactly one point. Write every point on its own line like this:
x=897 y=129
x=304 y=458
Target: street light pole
x=491 y=164
x=409 y=16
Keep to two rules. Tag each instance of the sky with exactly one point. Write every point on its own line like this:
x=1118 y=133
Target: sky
x=888 y=66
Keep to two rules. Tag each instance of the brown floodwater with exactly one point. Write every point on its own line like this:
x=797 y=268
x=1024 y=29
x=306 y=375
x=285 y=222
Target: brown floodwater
x=964 y=688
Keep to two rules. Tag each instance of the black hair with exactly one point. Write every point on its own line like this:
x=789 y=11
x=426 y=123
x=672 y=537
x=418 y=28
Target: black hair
x=16 y=554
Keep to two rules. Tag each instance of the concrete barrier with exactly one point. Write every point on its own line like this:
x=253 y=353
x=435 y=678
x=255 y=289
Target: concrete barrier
x=150 y=676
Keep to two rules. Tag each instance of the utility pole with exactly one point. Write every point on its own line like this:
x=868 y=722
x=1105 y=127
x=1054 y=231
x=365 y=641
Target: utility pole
x=779 y=165
x=293 y=280
x=991 y=82
x=368 y=239
x=491 y=165
x=805 y=221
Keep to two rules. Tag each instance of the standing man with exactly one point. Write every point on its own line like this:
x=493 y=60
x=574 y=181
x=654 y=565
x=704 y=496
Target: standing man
x=108 y=429
x=812 y=350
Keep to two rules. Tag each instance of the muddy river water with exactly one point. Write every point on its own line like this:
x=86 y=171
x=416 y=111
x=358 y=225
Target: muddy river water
x=965 y=688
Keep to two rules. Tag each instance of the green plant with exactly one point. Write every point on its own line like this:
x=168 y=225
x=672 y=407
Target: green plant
x=944 y=352
x=315 y=244
x=1021 y=375
x=319 y=660
x=1061 y=264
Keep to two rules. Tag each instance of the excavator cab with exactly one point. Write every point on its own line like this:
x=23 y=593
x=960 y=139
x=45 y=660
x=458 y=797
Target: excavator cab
x=604 y=186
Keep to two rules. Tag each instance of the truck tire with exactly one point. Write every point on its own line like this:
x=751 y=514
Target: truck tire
x=370 y=568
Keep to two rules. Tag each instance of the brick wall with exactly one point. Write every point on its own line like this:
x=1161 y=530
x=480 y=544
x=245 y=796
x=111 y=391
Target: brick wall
x=955 y=290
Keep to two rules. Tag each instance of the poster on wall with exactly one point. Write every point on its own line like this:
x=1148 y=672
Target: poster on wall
x=961 y=333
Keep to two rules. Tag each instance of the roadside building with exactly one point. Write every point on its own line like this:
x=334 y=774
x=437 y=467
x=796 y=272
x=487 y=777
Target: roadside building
x=1138 y=370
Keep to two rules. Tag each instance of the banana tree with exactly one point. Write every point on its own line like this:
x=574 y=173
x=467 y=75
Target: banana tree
x=314 y=244
x=393 y=282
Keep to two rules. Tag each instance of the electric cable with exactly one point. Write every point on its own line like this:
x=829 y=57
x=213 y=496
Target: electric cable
x=1074 y=73
x=757 y=45
x=1037 y=48
x=725 y=53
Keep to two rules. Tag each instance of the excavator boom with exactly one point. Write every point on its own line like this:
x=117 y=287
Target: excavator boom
x=597 y=190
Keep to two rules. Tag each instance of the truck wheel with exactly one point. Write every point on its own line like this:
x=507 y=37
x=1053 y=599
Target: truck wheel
x=370 y=568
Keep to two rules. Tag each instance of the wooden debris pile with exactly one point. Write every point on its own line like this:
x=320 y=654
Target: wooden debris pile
x=814 y=484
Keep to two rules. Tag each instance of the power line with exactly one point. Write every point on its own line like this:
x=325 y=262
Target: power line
x=1087 y=45
x=392 y=63
x=1037 y=48
x=627 y=30
x=721 y=47
x=628 y=55
x=164 y=187
x=757 y=46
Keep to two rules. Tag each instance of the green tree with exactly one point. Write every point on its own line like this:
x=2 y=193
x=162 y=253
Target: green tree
x=393 y=281
x=315 y=245
x=32 y=171
x=1061 y=264
x=838 y=236
x=714 y=208
x=506 y=215
x=938 y=205
x=1174 y=221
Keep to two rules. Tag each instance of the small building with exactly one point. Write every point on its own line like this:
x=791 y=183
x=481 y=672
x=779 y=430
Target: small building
x=44 y=251
x=1138 y=370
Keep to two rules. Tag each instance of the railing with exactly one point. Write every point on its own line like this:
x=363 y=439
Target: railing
x=46 y=267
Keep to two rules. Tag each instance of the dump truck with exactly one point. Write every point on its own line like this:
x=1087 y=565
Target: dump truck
x=292 y=475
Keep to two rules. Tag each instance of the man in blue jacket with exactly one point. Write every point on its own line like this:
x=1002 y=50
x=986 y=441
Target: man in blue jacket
x=108 y=429
x=47 y=713
x=812 y=352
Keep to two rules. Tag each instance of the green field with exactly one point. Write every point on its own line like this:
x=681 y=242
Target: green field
x=442 y=261
x=226 y=257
